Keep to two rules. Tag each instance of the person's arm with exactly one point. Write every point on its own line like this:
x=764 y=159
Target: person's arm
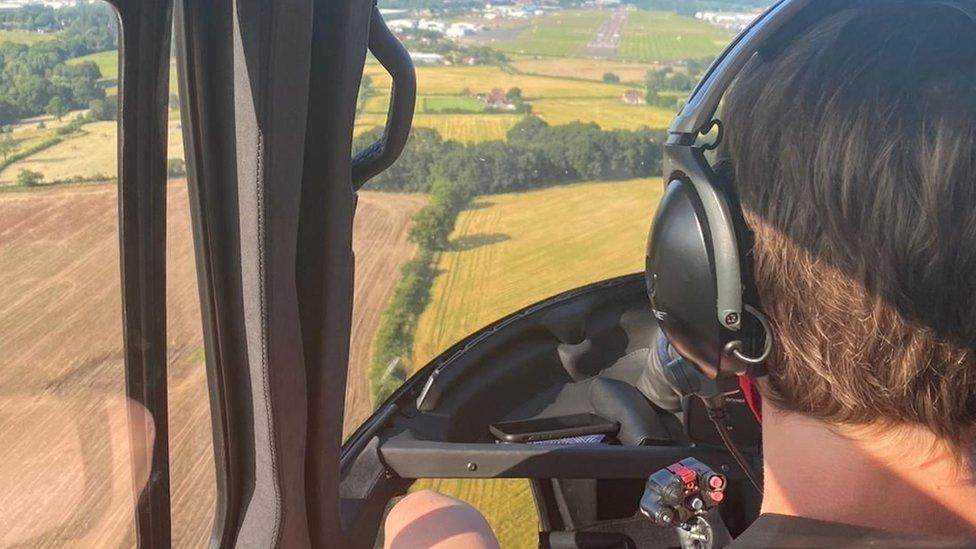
x=427 y=519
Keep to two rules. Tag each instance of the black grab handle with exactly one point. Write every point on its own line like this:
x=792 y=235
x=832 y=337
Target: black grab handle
x=377 y=157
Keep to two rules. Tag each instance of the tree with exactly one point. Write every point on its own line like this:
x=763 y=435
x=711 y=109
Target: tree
x=28 y=178
x=56 y=108
x=103 y=109
x=514 y=95
x=7 y=145
x=610 y=78
x=175 y=167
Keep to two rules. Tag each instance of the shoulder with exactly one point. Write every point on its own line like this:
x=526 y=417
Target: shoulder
x=783 y=531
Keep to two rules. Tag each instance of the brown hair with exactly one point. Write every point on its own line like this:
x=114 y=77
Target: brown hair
x=853 y=150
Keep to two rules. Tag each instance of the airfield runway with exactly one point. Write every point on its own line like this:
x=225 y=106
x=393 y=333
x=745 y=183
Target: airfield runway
x=607 y=38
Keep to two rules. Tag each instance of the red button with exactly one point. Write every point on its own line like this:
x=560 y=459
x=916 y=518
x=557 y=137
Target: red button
x=716 y=482
x=717 y=496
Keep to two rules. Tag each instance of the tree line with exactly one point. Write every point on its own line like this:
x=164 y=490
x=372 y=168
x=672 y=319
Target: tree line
x=82 y=28
x=36 y=79
x=533 y=155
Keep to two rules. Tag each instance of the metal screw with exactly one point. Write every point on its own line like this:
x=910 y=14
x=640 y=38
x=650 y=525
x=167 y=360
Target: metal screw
x=472 y=466
x=725 y=468
x=731 y=319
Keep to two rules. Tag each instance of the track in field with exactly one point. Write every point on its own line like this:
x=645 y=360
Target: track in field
x=64 y=452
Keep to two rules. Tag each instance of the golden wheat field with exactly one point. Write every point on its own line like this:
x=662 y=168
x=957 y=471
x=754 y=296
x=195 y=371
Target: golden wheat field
x=65 y=478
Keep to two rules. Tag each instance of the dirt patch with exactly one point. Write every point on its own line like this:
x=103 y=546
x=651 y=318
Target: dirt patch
x=64 y=452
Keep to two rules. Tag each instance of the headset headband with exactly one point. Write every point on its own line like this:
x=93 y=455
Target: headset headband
x=697 y=114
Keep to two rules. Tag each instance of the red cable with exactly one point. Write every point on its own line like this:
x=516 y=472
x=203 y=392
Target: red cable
x=752 y=396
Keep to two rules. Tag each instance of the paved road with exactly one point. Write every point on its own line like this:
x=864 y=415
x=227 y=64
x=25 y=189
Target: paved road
x=607 y=38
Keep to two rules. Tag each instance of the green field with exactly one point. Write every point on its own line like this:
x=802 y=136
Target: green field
x=91 y=153
x=656 y=36
x=610 y=113
x=108 y=65
x=107 y=61
x=453 y=104
x=581 y=68
x=25 y=37
x=511 y=251
x=564 y=33
x=555 y=99
x=664 y=36
x=518 y=248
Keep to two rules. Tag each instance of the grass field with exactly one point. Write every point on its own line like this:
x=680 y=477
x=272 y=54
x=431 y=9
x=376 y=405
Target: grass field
x=556 y=99
x=564 y=33
x=454 y=104
x=91 y=153
x=647 y=35
x=610 y=114
x=584 y=68
x=516 y=249
x=108 y=65
x=454 y=80
x=665 y=36
x=25 y=37
x=107 y=61
x=64 y=453
x=467 y=128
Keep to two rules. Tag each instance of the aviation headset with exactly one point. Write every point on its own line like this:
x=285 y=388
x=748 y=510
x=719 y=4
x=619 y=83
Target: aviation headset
x=699 y=266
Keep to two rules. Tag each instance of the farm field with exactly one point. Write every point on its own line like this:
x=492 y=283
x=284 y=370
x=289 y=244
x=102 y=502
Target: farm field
x=514 y=250
x=582 y=68
x=467 y=128
x=61 y=377
x=454 y=80
x=107 y=61
x=563 y=33
x=108 y=65
x=647 y=35
x=555 y=99
x=518 y=248
x=25 y=37
x=91 y=153
x=610 y=114
x=665 y=36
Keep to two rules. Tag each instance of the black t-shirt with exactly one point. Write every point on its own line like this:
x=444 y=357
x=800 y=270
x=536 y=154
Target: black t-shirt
x=781 y=531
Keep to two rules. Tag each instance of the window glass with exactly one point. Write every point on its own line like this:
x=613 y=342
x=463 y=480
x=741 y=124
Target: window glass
x=533 y=168
x=65 y=475
x=192 y=472
x=65 y=453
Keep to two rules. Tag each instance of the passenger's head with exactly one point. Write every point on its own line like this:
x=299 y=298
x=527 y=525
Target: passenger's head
x=853 y=149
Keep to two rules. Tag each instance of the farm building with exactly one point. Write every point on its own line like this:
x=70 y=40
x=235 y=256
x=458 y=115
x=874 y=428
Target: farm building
x=633 y=97
x=498 y=100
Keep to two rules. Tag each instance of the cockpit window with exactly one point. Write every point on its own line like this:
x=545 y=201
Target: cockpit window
x=533 y=168
x=65 y=448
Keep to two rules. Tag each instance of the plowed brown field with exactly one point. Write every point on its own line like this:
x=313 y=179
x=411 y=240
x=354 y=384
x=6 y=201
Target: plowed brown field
x=65 y=478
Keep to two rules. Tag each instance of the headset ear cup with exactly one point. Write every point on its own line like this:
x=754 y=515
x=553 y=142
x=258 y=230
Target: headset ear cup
x=681 y=278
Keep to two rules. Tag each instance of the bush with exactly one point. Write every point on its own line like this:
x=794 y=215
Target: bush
x=103 y=109
x=393 y=344
x=28 y=178
x=175 y=167
x=611 y=78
